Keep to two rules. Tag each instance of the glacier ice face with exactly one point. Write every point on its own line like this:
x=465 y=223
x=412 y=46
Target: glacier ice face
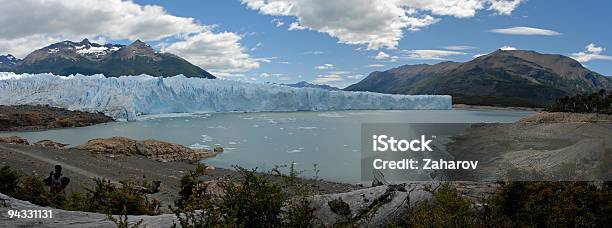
x=127 y=97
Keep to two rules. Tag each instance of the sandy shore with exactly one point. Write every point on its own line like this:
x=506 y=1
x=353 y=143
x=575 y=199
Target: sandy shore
x=82 y=166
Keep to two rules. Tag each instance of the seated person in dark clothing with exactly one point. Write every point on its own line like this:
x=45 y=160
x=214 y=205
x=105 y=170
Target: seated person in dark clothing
x=56 y=181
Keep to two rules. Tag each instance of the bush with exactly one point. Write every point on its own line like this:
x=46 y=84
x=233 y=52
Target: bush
x=253 y=201
x=554 y=204
x=447 y=209
x=32 y=189
x=106 y=197
x=8 y=180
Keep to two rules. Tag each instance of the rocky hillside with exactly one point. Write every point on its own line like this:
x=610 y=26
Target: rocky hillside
x=112 y=60
x=38 y=117
x=504 y=78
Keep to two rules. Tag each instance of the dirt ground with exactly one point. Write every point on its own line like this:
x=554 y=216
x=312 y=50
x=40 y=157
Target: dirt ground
x=538 y=142
x=82 y=167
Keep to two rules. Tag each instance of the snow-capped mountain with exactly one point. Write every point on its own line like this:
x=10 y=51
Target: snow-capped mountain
x=113 y=60
x=127 y=97
x=8 y=61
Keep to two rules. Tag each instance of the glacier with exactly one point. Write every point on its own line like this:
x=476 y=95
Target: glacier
x=127 y=97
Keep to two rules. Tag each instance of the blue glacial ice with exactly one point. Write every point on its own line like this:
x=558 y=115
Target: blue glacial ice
x=125 y=98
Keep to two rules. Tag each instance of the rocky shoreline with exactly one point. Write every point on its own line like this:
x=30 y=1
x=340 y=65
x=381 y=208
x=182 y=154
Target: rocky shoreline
x=42 y=117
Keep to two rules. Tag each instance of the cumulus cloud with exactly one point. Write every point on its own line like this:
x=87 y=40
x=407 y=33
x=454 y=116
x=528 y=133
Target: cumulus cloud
x=374 y=23
x=31 y=24
x=325 y=66
x=376 y=65
x=591 y=52
x=526 y=31
x=431 y=54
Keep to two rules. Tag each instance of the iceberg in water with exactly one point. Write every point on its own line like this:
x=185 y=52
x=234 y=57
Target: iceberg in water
x=126 y=97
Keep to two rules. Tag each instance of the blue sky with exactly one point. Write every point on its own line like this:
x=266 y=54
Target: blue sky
x=333 y=42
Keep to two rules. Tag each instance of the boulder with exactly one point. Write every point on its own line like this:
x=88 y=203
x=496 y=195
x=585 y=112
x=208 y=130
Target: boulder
x=50 y=144
x=153 y=149
x=14 y=140
x=376 y=206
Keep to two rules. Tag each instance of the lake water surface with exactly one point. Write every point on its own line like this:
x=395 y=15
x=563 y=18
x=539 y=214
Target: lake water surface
x=329 y=139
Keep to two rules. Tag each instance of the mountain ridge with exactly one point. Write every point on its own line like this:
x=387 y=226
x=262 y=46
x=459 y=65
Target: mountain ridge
x=305 y=84
x=112 y=60
x=502 y=78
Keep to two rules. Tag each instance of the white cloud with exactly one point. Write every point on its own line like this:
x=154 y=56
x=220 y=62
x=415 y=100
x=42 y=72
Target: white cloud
x=592 y=52
x=325 y=79
x=257 y=46
x=278 y=22
x=526 y=31
x=504 y=6
x=507 y=48
x=459 y=47
x=385 y=57
x=431 y=54
x=376 y=65
x=374 y=23
x=264 y=75
x=313 y=53
x=32 y=24
x=356 y=76
x=296 y=26
x=325 y=66
x=220 y=53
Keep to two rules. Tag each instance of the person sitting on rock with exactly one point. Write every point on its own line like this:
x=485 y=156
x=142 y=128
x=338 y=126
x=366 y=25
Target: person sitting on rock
x=55 y=181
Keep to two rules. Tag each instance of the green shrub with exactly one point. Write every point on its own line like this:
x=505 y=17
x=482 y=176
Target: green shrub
x=554 y=204
x=252 y=201
x=32 y=189
x=122 y=220
x=108 y=197
x=9 y=179
x=447 y=209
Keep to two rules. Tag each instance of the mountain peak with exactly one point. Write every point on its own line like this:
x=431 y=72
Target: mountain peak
x=140 y=44
x=502 y=77
x=85 y=57
x=7 y=61
x=85 y=41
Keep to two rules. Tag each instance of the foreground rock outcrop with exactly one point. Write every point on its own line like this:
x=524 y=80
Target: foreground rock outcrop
x=38 y=117
x=371 y=206
x=153 y=149
x=50 y=144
